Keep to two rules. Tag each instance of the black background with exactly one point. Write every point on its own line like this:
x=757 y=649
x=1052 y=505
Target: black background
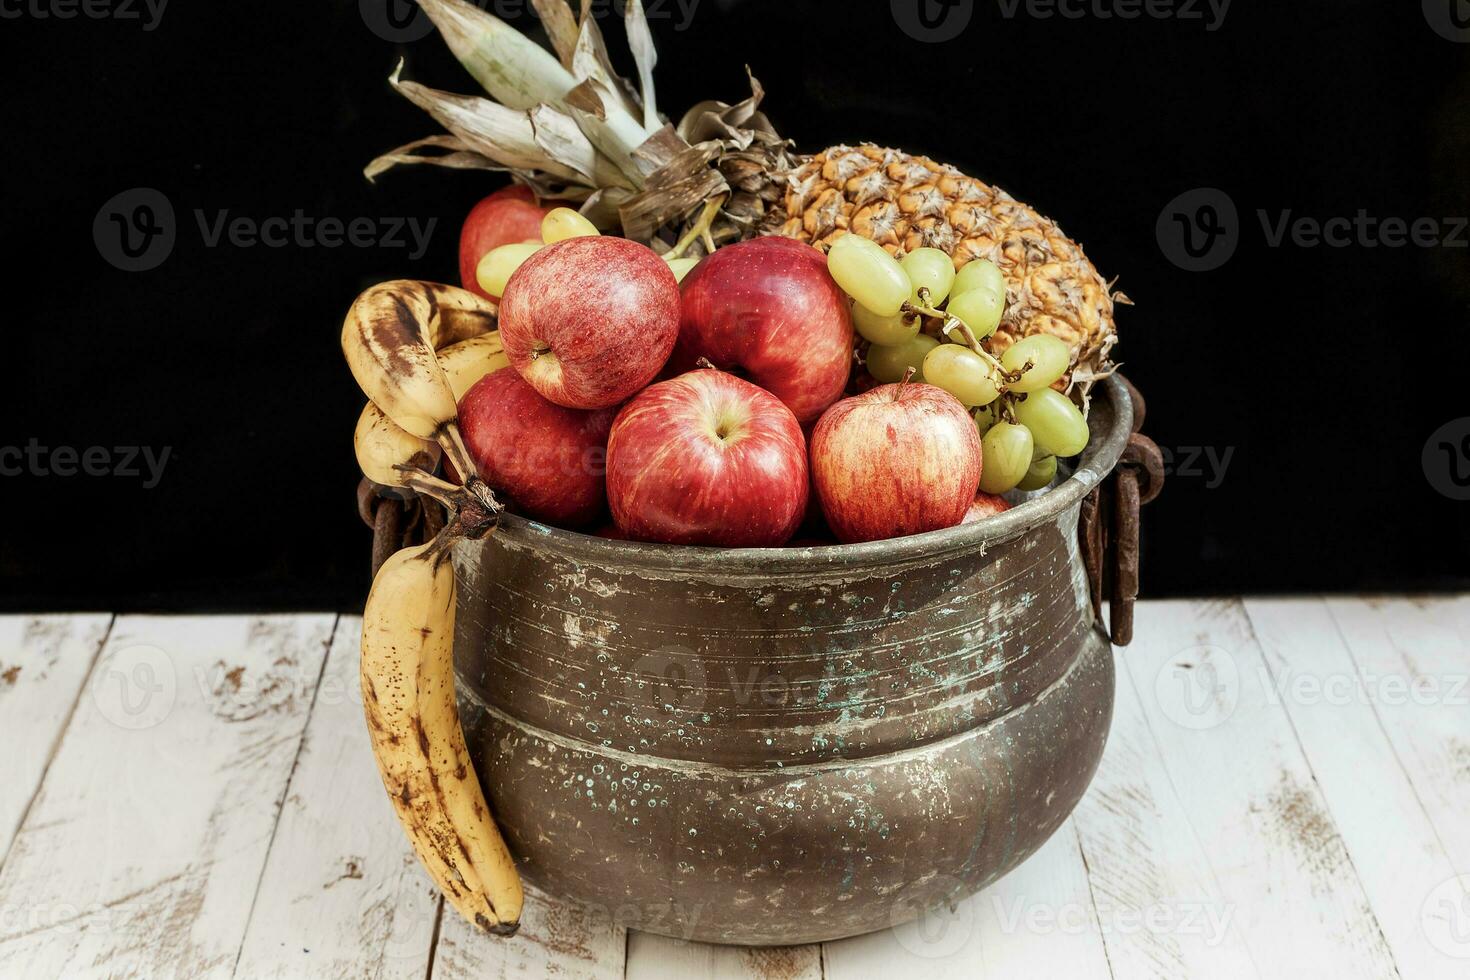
x=1321 y=370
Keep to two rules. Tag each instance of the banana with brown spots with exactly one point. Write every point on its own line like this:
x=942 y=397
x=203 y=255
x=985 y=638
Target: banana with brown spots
x=389 y=339
x=413 y=721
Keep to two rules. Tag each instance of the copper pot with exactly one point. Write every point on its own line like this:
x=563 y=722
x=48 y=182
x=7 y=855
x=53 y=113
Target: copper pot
x=771 y=746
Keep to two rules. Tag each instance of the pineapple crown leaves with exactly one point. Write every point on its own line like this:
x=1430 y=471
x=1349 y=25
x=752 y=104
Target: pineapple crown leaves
x=570 y=127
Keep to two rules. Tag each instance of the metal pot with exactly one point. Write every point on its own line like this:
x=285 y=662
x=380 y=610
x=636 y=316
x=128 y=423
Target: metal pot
x=771 y=746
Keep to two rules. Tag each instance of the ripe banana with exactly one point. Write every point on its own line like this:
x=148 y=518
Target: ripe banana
x=408 y=697
x=470 y=360
x=389 y=339
x=382 y=447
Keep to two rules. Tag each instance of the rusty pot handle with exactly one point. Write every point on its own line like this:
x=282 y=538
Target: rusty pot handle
x=395 y=523
x=1108 y=527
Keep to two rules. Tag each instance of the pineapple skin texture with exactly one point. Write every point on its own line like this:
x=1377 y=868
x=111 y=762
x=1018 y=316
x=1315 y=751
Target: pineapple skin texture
x=904 y=202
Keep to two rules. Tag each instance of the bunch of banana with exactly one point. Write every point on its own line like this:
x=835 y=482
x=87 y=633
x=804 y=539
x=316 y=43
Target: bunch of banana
x=389 y=339
x=413 y=721
x=385 y=452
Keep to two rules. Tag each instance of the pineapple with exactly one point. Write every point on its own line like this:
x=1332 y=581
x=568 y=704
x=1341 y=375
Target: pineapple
x=904 y=202
x=570 y=129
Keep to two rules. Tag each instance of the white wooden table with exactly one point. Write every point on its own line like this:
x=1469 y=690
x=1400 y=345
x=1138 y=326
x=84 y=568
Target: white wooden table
x=1286 y=793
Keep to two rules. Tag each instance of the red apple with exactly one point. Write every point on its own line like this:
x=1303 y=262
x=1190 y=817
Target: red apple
x=706 y=458
x=900 y=459
x=549 y=460
x=590 y=321
x=985 y=505
x=767 y=310
x=511 y=214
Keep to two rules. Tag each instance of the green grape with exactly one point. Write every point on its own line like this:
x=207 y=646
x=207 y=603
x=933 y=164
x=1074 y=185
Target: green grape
x=885 y=330
x=497 y=265
x=1056 y=423
x=1040 y=474
x=1049 y=356
x=888 y=364
x=962 y=373
x=985 y=417
x=1005 y=456
x=979 y=274
x=868 y=274
x=681 y=267
x=931 y=269
x=563 y=223
x=981 y=310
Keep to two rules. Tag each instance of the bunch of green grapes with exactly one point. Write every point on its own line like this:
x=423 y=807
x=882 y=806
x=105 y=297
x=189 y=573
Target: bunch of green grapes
x=1025 y=425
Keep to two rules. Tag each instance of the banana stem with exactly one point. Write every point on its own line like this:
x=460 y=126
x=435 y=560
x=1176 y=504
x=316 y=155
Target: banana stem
x=454 y=447
x=429 y=485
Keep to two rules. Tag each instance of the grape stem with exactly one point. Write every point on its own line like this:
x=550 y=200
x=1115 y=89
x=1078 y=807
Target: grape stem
x=951 y=322
x=1007 y=403
x=699 y=230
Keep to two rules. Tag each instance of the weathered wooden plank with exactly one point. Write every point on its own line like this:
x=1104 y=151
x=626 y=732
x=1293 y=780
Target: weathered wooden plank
x=142 y=851
x=1333 y=707
x=342 y=894
x=1162 y=912
x=653 y=957
x=43 y=663
x=556 y=939
x=1267 y=838
x=1414 y=655
x=1037 y=921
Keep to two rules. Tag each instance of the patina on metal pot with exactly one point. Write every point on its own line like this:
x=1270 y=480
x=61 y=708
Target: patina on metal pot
x=792 y=745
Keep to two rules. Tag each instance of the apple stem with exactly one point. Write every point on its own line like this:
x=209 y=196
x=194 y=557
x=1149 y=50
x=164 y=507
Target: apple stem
x=705 y=362
x=907 y=373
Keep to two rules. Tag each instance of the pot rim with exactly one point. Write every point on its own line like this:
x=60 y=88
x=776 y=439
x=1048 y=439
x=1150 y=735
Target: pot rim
x=1110 y=420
